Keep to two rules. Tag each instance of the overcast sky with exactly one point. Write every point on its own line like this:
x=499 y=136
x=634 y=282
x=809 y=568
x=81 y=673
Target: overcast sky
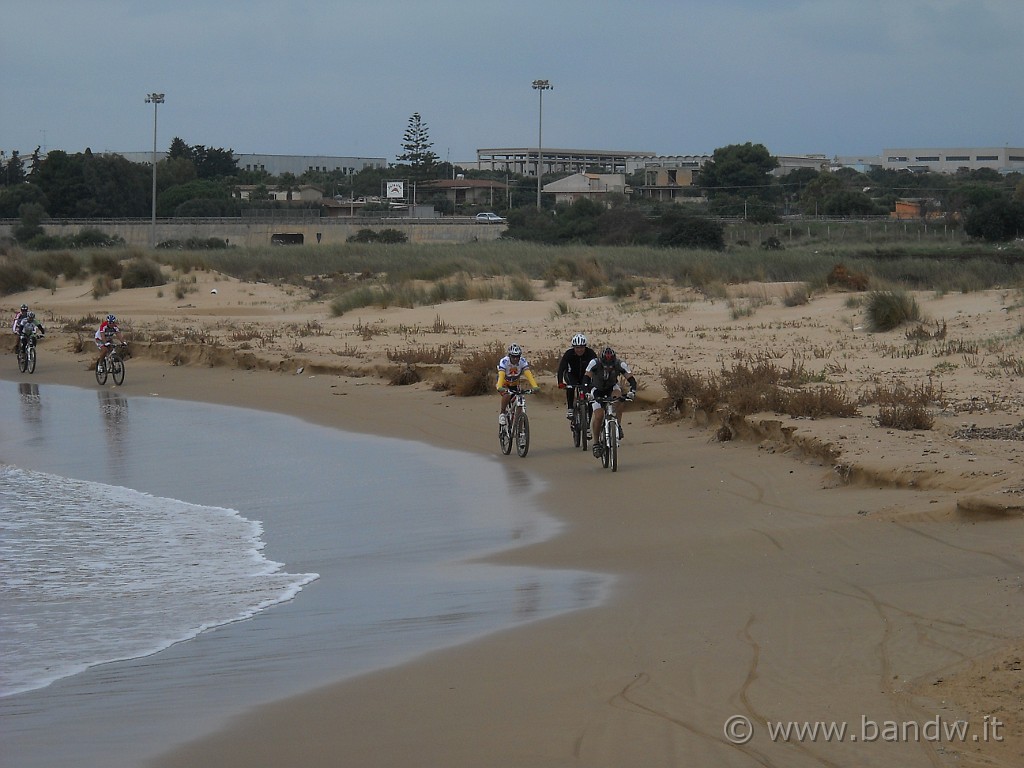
x=342 y=77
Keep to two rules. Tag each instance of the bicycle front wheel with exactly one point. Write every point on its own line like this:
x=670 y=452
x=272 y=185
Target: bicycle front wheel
x=30 y=359
x=117 y=371
x=523 y=435
x=505 y=438
x=613 y=449
x=584 y=425
x=101 y=372
x=22 y=362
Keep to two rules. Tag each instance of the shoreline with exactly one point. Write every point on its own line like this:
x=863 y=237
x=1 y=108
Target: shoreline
x=804 y=570
x=586 y=670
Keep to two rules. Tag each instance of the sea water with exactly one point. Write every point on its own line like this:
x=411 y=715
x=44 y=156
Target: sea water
x=92 y=573
x=167 y=565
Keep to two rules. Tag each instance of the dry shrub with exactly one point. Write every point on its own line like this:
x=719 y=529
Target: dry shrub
x=479 y=371
x=899 y=394
x=747 y=389
x=817 y=402
x=438 y=355
x=591 y=278
x=841 y=277
x=920 y=333
x=405 y=375
x=547 y=360
x=682 y=386
x=102 y=285
x=797 y=297
x=908 y=417
x=887 y=310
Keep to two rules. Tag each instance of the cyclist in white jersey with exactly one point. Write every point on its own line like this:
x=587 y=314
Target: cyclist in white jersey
x=511 y=368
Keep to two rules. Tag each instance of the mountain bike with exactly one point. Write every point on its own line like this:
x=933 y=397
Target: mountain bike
x=112 y=365
x=580 y=421
x=606 y=444
x=516 y=429
x=27 y=355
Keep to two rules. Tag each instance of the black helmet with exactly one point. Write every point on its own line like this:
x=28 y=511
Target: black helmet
x=607 y=357
x=24 y=307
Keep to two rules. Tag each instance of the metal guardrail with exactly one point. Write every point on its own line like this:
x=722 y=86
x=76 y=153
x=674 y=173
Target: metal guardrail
x=369 y=220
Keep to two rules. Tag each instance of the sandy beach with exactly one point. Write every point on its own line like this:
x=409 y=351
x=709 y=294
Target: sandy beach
x=805 y=571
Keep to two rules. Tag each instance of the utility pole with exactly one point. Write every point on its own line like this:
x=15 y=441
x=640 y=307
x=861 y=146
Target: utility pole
x=540 y=86
x=154 y=99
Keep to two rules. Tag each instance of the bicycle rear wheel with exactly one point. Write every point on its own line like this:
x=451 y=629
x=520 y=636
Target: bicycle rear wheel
x=101 y=372
x=523 y=435
x=117 y=370
x=30 y=359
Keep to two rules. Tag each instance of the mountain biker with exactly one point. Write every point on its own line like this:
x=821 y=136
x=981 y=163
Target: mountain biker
x=27 y=328
x=603 y=375
x=16 y=325
x=571 y=369
x=511 y=368
x=104 y=334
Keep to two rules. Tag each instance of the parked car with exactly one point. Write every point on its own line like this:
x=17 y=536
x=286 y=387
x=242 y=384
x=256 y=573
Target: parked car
x=489 y=218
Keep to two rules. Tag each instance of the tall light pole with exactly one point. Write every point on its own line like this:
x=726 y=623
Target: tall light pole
x=154 y=99
x=540 y=86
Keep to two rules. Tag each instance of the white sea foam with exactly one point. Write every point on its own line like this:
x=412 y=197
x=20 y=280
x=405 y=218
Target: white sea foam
x=92 y=573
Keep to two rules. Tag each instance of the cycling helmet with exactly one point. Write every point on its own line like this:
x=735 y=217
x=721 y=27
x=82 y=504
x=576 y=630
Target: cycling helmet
x=111 y=319
x=579 y=340
x=31 y=315
x=514 y=350
x=24 y=307
x=607 y=357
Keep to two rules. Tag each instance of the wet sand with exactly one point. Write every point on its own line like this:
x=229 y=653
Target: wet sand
x=823 y=571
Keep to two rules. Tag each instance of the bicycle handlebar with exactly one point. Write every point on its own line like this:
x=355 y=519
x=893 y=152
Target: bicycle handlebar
x=616 y=399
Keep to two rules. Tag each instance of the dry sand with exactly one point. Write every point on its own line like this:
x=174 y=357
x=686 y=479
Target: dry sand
x=807 y=570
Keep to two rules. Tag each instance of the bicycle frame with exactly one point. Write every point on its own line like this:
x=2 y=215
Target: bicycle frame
x=113 y=365
x=580 y=422
x=609 y=438
x=516 y=429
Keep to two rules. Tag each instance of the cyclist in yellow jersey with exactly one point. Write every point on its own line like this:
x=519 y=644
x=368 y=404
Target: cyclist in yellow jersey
x=511 y=368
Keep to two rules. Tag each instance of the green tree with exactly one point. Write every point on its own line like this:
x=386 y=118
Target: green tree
x=418 y=155
x=32 y=216
x=849 y=202
x=170 y=200
x=812 y=199
x=180 y=150
x=174 y=171
x=996 y=221
x=13 y=172
x=287 y=183
x=13 y=197
x=687 y=231
x=214 y=162
x=84 y=185
x=740 y=169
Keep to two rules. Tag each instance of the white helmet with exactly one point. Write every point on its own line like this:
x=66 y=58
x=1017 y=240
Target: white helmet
x=514 y=350
x=579 y=340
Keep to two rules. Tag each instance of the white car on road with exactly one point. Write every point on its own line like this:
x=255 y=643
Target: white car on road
x=489 y=218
